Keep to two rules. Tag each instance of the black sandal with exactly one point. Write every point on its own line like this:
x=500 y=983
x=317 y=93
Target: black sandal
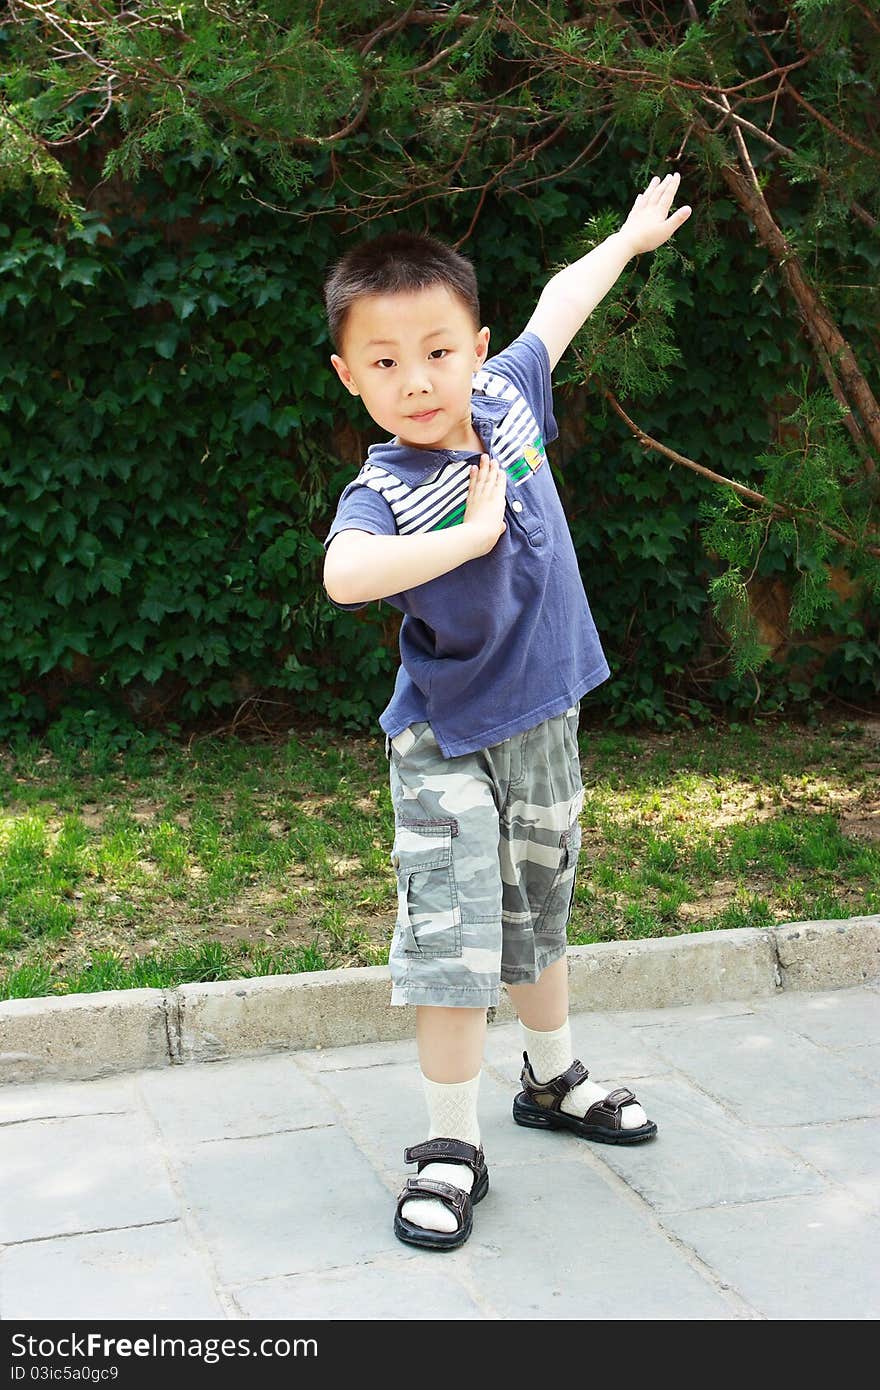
x=537 y=1106
x=457 y=1200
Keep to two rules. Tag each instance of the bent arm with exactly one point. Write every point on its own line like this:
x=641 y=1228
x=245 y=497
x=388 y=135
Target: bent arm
x=360 y=566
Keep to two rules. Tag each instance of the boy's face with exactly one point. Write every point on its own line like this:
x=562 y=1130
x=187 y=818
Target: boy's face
x=411 y=356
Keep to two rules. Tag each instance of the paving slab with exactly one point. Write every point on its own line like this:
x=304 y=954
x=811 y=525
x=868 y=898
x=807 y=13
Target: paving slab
x=396 y=1289
x=797 y=1258
x=844 y=1153
x=864 y=1059
x=705 y=1156
x=359 y=1055
x=82 y=1173
x=835 y=1018
x=686 y=1013
x=560 y=1243
x=49 y=1100
x=225 y=1100
x=765 y=1072
x=286 y=1203
x=125 y=1273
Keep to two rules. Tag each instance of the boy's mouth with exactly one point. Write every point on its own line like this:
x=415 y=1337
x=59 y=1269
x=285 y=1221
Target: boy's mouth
x=425 y=415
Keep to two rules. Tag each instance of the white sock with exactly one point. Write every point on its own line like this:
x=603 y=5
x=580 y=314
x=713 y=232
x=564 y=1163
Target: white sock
x=452 y=1111
x=550 y=1054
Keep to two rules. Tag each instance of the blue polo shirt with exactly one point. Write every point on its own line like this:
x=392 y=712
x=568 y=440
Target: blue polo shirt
x=506 y=640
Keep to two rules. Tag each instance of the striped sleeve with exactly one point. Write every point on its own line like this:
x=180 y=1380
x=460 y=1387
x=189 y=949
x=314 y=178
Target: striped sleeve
x=525 y=363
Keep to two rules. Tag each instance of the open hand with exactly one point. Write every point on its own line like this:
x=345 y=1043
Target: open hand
x=649 y=223
x=484 y=510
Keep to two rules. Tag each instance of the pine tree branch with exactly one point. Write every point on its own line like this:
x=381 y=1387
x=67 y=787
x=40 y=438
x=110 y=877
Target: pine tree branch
x=823 y=120
x=777 y=508
x=821 y=174
x=830 y=345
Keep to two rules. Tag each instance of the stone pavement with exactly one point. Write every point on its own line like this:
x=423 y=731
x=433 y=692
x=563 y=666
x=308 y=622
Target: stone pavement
x=263 y=1188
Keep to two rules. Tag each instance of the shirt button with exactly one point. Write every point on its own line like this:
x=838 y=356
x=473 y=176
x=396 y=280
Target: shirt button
x=517 y=506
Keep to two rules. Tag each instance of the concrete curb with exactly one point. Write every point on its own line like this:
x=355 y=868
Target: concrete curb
x=79 y=1036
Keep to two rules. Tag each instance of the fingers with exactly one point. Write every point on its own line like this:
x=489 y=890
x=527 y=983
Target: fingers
x=488 y=467
x=659 y=186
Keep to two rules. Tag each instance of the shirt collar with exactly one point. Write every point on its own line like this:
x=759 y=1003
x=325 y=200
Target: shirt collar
x=414 y=466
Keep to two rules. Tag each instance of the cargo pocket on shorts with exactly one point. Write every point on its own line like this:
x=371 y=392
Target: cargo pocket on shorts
x=557 y=909
x=428 y=911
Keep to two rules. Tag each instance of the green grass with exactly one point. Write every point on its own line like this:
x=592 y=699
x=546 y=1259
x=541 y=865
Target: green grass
x=164 y=862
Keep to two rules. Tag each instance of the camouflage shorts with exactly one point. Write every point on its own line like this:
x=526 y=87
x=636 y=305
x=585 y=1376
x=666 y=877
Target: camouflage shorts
x=485 y=851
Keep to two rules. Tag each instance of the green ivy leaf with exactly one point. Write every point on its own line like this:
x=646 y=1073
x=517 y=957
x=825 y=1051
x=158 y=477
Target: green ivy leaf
x=166 y=340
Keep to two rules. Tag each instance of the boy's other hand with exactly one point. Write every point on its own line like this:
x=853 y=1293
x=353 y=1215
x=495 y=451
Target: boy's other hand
x=484 y=513
x=648 y=224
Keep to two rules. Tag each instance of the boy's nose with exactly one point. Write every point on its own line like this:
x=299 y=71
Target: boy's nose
x=417 y=384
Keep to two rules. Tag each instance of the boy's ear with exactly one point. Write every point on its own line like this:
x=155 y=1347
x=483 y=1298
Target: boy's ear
x=482 y=345
x=344 y=374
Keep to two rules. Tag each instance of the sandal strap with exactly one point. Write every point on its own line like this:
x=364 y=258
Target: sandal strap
x=446 y=1150
x=558 y=1086
x=451 y=1196
x=612 y=1105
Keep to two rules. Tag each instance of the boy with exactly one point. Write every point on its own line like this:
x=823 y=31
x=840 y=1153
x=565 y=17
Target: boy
x=457 y=522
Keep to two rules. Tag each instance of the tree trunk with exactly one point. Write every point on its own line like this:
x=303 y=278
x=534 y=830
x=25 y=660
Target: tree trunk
x=824 y=333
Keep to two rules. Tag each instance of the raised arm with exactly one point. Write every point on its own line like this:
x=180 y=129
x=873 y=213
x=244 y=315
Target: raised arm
x=569 y=298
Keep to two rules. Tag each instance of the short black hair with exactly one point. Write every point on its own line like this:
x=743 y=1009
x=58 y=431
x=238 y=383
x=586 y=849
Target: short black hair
x=393 y=263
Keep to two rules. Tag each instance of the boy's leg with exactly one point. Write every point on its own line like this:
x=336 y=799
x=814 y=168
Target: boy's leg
x=450 y=1043
x=446 y=954
x=539 y=1007
x=543 y=1006
x=541 y=848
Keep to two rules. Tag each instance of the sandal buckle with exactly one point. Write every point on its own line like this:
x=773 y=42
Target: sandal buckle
x=576 y=1073
x=616 y=1100
x=446 y=1190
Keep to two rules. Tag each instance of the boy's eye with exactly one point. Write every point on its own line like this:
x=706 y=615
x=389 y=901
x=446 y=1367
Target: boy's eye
x=389 y=361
